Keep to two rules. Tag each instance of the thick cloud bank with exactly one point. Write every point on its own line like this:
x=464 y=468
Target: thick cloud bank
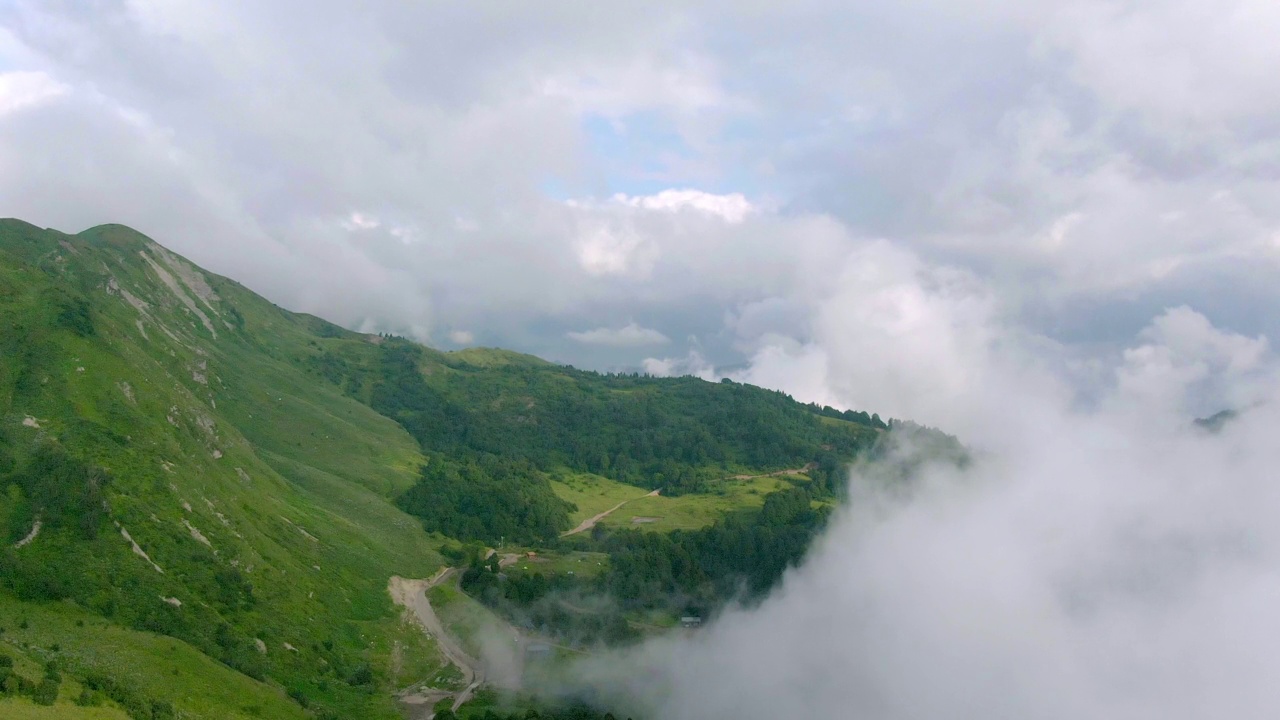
x=1081 y=200
x=477 y=172
x=1103 y=557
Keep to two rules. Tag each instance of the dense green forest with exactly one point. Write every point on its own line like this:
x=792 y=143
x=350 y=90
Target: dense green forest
x=740 y=557
x=486 y=496
x=494 y=431
x=694 y=572
x=545 y=604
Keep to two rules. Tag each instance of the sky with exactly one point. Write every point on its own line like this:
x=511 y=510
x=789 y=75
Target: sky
x=672 y=186
x=1050 y=228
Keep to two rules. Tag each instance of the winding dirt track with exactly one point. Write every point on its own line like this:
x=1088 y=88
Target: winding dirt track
x=412 y=594
x=591 y=521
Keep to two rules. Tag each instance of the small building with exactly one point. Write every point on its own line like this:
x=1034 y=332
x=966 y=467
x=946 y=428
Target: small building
x=690 y=621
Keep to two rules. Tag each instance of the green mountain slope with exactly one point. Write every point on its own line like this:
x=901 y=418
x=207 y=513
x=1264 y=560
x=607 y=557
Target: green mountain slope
x=203 y=496
x=500 y=426
x=142 y=396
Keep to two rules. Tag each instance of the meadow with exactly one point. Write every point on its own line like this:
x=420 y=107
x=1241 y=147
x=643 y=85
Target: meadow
x=594 y=494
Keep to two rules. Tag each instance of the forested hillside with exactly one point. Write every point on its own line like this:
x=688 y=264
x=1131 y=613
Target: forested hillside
x=203 y=496
x=495 y=423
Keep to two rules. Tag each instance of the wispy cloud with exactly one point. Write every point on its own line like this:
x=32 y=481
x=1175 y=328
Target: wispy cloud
x=629 y=335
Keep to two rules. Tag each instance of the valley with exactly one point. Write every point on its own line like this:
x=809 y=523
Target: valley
x=210 y=503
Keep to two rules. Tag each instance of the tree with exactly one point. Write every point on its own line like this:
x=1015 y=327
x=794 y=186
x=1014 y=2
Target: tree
x=47 y=691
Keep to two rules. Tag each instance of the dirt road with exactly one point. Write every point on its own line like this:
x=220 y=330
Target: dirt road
x=591 y=521
x=412 y=594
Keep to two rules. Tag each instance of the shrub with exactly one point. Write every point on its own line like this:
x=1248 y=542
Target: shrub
x=46 y=693
x=363 y=675
x=299 y=697
x=88 y=698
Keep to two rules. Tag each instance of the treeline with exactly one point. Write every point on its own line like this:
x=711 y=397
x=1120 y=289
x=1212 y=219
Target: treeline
x=482 y=495
x=686 y=572
x=544 y=604
x=493 y=431
x=650 y=432
x=740 y=557
x=854 y=416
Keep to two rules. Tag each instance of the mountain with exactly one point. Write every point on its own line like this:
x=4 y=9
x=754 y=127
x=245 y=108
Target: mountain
x=171 y=467
x=203 y=496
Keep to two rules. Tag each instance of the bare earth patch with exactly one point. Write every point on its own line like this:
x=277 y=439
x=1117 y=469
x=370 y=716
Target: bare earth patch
x=137 y=549
x=412 y=595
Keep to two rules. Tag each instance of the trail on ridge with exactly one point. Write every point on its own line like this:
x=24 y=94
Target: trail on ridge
x=591 y=521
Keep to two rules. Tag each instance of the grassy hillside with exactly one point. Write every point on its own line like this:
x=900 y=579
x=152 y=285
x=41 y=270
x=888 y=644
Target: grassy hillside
x=142 y=396
x=499 y=427
x=149 y=667
x=202 y=495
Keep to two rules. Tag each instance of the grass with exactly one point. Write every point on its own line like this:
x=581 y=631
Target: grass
x=409 y=654
x=448 y=677
x=24 y=709
x=594 y=494
x=156 y=666
x=583 y=565
x=285 y=477
x=481 y=632
x=229 y=444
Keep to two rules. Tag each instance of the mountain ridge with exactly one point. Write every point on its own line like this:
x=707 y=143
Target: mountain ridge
x=184 y=461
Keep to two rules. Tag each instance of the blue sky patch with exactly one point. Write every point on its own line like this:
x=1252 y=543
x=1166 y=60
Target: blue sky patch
x=644 y=153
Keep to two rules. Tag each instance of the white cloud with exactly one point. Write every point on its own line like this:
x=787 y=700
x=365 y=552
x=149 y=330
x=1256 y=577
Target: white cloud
x=629 y=335
x=1058 y=151
x=606 y=249
x=732 y=208
x=361 y=221
x=692 y=364
x=684 y=82
x=1094 y=560
x=959 y=214
x=1197 y=368
x=21 y=89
